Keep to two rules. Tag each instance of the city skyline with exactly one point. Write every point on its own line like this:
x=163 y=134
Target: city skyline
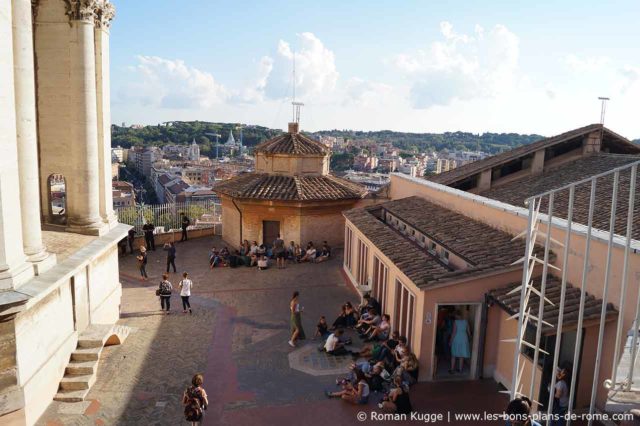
x=415 y=66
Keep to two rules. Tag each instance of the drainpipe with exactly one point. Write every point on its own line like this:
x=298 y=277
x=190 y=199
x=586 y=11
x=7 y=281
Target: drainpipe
x=483 y=336
x=240 y=212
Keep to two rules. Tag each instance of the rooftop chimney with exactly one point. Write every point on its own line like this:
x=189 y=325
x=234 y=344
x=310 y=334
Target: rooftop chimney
x=294 y=127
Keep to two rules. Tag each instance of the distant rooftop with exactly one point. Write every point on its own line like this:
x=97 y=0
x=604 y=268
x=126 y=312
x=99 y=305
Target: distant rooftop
x=292 y=144
x=483 y=248
x=592 y=306
x=264 y=186
x=612 y=142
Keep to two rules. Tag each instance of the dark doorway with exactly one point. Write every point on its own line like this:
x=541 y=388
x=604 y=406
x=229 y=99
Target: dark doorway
x=565 y=360
x=270 y=231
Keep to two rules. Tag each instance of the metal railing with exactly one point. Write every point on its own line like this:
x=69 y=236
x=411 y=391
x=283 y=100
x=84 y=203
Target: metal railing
x=167 y=217
x=564 y=219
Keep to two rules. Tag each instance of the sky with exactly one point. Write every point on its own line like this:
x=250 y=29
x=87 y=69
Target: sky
x=415 y=66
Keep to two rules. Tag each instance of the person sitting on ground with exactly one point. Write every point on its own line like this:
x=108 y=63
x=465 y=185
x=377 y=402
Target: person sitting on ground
x=291 y=251
x=324 y=253
x=263 y=263
x=262 y=250
x=408 y=369
x=519 y=412
x=380 y=331
x=224 y=255
x=400 y=350
x=398 y=399
x=358 y=394
x=333 y=345
x=367 y=325
x=368 y=302
x=214 y=258
x=253 y=253
x=352 y=317
x=309 y=254
x=245 y=248
x=341 y=321
x=322 y=329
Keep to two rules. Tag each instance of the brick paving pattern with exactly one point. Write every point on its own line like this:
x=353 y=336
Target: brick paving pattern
x=237 y=336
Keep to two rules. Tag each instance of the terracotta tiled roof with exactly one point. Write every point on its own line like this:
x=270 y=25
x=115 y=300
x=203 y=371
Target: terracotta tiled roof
x=484 y=248
x=592 y=306
x=517 y=191
x=462 y=172
x=292 y=143
x=178 y=187
x=263 y=186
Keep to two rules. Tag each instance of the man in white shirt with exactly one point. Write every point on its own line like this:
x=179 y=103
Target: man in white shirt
x=333 y=346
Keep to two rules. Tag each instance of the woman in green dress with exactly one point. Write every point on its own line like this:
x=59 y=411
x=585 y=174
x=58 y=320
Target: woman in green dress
x=297 y=332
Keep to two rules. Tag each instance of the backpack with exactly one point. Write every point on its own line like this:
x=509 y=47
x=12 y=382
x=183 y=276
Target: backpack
x=165 y=290
x=193 y=409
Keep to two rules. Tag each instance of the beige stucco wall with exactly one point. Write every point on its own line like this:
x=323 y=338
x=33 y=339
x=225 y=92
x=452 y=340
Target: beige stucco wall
x=292 y=165
x=513 y=220
x=470 y=292
x=300 y=222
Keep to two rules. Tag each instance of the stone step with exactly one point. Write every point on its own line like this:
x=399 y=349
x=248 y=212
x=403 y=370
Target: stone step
x=80 y=368
x=71 y=395
x=94 y=336
x=86 y=354
x=77 y=382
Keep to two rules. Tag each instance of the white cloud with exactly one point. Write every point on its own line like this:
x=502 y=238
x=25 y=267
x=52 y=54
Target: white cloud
x=167 y=83
x=316 y=72
x=462 y=67
x=630 y=77
x=366 y=93
x=586 y=64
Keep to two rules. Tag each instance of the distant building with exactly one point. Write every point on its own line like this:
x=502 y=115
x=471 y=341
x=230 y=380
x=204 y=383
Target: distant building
x=123 y=194
x=194 y=152
x=290 y=194
x=119 y=153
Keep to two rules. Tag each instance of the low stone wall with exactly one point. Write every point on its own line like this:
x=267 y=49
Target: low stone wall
x=165 y=237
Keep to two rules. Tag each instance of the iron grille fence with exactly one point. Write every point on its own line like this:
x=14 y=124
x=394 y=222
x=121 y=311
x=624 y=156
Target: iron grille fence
x=167 y=217
x=602 y=207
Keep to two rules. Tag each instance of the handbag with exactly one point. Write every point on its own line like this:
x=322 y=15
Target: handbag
x=157 y=292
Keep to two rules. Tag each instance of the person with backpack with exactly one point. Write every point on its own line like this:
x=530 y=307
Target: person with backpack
x=185 y=292
x=195 y=401
x=164 y=291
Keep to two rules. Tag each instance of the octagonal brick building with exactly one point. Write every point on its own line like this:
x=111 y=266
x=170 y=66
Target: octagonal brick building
x=291 y=193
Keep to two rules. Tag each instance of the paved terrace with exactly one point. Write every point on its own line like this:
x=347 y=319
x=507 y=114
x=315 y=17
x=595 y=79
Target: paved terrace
x=237 y=337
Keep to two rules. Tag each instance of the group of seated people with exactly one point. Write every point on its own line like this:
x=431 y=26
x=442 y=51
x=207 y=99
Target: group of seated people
x=385 y=364
x=253 y=254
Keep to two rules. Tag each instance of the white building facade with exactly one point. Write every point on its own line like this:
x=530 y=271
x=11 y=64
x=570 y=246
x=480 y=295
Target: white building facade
x=55 y=124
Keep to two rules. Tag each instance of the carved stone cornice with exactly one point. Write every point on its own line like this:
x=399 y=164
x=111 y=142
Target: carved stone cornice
x=82 y=10
x=105 y=13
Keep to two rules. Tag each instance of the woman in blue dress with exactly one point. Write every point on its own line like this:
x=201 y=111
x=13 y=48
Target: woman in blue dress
x=460 y=343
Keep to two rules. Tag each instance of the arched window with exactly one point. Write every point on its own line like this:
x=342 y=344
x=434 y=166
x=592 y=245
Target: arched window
x=57 y=195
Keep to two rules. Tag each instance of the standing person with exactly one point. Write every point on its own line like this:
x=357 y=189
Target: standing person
x=561 y=396
x=195 y=401
x=185 y=224
x=131 y=236
x=297 y=332
x=142 y=263
x=149 y=240
x=460 y=343
x=164 y=291
x=185 y=291
x=279 y=252
x=171 y=255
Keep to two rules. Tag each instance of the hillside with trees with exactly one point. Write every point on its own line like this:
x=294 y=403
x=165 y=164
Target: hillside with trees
x=183 y=132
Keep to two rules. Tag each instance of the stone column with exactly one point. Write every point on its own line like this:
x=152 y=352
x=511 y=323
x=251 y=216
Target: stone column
x=14 y=269
x=104 y=15
x=83 y=187
x=24 y=76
